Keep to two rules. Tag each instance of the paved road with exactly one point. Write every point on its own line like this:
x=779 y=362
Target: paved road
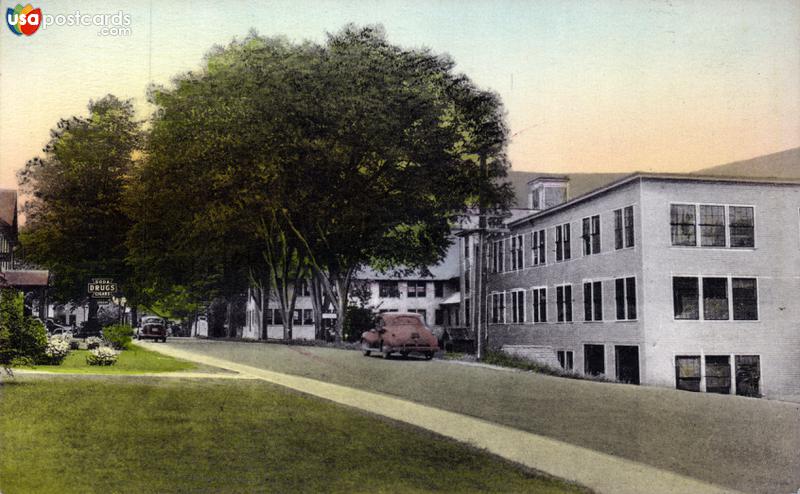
x=741 y=443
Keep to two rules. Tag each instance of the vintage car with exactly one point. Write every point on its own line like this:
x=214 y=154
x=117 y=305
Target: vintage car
x=399 y=332
x=153 y=328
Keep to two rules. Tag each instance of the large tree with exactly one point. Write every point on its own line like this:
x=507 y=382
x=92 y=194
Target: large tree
x=75 y=224
x=294 y=160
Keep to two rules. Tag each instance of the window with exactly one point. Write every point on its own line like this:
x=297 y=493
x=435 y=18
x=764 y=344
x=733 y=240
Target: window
x=715 y=299
x=717 y=305
x=388 y=289
x=518 y=306
x=685 y=293
x=563 y=250
x=422 y=312
x=539 y=304
x=308 y=317
x=497 y=256
x=593 y=301
x=687 y=373
x=565 y=359
x=625 y=298
x=516 y=252
x=741 y=221
x=718 y=374
x=594 y=359
x=745 y=299
x=438 y=289
x=538 y=240
x=498 y=307
x=623 y=228
x=712 y=226
x=591 y=235
x=564 y=303
x=416 y=289
x=438 y=317
x=739 y=232
x=682 y=224
x=268 y=317
x=297 y=318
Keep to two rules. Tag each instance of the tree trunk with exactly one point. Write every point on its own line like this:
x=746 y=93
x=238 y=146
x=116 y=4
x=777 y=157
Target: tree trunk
x=318 y=306
x=231 y=332
x=263 y=319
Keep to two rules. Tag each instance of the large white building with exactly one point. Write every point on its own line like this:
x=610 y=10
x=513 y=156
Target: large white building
x=673 y=280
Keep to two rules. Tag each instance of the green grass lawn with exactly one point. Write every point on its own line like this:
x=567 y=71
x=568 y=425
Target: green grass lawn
x=65 y=434
x=135 y=360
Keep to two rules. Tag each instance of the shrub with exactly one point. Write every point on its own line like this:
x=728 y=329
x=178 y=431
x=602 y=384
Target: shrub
x=21 y=337
x=102 y=356
x=58 y=348
x=118 y=336
x=93 y=342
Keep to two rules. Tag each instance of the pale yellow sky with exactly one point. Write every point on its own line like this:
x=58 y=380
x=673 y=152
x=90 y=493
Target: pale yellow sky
x=589 y=86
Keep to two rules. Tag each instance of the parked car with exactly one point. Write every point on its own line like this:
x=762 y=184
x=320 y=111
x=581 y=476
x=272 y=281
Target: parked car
x=153 y=328
x=52 y=326
x=62 y=331
x=399 y=332
x=87 y=329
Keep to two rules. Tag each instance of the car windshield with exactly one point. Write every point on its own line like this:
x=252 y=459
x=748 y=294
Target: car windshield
x=405 y=321
x=152 y=320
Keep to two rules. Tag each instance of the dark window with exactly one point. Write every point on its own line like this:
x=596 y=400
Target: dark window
x=682 y=223
x=618 y=229
x=587 y=236
x=438 y=289
x=565 y=359
x=630 y=296
x=388 y=289
x=564 y=303
x=269 y=318
x=538 y=246
x=298 y=317
x=748 y=375
x=745 y=299
x=619 y=285
x=308 y=316
x=594 y=359
x=563 y=242
x=278 y=319
x=539 y=305
x=741 y=224
x=593 y=301
x=416 y=289
x=498 y=307
x=438 y=317
x=687 y=373
x=595 y=234
x=517 y=252
x=712 y=226
x=628 y=226
x=715 y=299
x=518 y=306
x=718 y=374
x=685 y=296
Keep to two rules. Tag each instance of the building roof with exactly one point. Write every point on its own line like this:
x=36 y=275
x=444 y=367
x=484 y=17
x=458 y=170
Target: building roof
x=25 y=278
x=657 y=176
x=447 y=269
x=579 y=183
x=8 y=207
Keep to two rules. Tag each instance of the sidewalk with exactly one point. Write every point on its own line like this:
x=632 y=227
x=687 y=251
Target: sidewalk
x=601 y=472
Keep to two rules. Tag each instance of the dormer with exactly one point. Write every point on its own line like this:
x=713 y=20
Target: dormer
x=546 y=192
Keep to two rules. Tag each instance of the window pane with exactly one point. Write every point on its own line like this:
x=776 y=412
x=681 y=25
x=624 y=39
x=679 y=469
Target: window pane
x=597 y=300
x=712 y=226
x=587 y=301
x=587 y=245
x=685 y=298
x=543 y=304
x=619 y=285
x=629 y=226
x=559 y=244
x=308 y=316
x=567 y=248
x=560 y=303
x=630 y=293
x=718 y=374
x=745 y=299
x=682 y=221
x=715 y=298
x=687 y=373
x=618 y=229
x=568 y=302
x=741 y=226
x=595 y=234
x=536 y=306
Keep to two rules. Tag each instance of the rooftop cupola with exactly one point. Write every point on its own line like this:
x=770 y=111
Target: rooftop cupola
x=547 y=191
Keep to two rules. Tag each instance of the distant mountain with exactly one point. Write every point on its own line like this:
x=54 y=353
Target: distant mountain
x=784 y=164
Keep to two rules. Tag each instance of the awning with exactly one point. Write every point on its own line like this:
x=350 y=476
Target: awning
x=452 y=299
x=26 y=278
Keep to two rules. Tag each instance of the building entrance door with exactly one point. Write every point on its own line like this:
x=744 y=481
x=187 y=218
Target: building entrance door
x=627 y=362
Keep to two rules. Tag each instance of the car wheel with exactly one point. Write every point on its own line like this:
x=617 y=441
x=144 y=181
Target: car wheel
x=365 y=348
x=404 y=354
x=163 y=340
x=385 y=353
x=428 y=355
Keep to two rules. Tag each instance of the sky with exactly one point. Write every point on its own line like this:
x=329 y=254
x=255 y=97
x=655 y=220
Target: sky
x=587 y=85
